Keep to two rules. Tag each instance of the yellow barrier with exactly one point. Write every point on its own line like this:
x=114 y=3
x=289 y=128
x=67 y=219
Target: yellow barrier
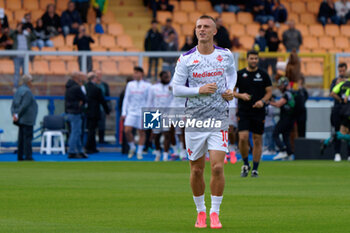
x=328 y=62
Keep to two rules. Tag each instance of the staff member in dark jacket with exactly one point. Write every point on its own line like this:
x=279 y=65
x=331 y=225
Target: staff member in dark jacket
x=94 y=99
x=153 y=42
x=74 y=101
x=24 y=111
x=102 y=121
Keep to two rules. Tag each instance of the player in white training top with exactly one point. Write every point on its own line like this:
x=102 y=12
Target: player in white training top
x=135 y=99
x=160 y=96
x=206 y=75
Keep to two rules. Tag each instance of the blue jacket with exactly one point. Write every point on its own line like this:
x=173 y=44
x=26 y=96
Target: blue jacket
x=25 y=106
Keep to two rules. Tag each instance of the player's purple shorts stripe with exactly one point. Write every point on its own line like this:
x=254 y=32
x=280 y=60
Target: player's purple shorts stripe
x=190 y=51
x=217 y=47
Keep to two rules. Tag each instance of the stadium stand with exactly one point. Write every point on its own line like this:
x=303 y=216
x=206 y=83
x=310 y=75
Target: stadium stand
x=124 y=29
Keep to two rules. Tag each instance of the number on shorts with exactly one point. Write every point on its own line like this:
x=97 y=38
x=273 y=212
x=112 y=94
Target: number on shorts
x=224 y=135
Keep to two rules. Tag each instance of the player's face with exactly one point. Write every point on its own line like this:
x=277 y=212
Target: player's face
x=137 y=75
x=341 y=71
x=205 y=30
x=253 y=61
x=166 y=77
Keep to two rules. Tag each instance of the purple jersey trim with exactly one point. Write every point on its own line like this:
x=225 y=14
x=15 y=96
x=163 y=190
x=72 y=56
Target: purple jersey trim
x=187 y=85
x=217 y=47
x=190 y=51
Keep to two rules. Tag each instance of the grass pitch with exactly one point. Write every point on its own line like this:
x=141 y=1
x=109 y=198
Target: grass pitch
x=298 y=196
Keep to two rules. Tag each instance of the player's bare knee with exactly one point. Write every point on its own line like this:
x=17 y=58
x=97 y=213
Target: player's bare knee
x=217 y=169
x=127 y=130
x=197 y=171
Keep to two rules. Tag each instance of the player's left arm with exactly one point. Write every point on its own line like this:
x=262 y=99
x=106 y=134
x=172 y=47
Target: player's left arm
x=268 y=93
x=231 y=79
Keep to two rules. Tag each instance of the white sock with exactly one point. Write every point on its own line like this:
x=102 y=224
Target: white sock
x=215 y=204
x=231 y=148
x=140 y=149
x=132 y=145
x=200 y=203
x=156 y=153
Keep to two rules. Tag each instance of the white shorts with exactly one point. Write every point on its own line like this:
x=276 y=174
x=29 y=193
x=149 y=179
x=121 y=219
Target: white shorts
x=133 y=121
x=232 y=117
x=198 y=143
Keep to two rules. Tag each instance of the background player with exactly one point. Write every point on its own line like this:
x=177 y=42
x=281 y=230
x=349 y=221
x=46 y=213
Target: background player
x=210 y=74
x=135 y=99
x=255 y=90
x=159 y=96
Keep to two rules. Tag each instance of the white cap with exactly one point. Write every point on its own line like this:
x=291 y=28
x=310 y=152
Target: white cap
x=2 y=13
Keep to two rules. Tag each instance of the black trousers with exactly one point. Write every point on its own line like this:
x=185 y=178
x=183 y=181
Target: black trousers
x=301 y=123
x=25 y=137
x=83 y=8
x=284 y=127
x=91 y=139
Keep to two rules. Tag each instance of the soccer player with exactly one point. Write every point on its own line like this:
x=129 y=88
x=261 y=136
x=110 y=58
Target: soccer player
x=206 y=75
x=255 y=90
x=135 y=99
x=159 y=96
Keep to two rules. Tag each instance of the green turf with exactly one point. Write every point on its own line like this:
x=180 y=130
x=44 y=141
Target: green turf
x=300 y=196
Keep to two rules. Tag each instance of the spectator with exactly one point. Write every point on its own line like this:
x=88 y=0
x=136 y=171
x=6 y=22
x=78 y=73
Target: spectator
x=100 y=7
x=82 y=6
x=169 y=45
x=22 y=40
x=102 y=121
x=227 y=5
x=95 y=100
x=82 y=41
x=272 y=42
x=3 y=19
x=292 y=38
x=42 y=36
x=279 y=12
x=167 y=28
x=188 y=44
x=51 y=21
x=327 y=13
x=27 y=22
x=5 y=41
x=24 y=111
x=293 y=72
x=74 y=102
x=342 y=8
x=70 y=20
x=262 y=10
x=222 y=37
x=160 y=5
x=261 y=46
x=153 y=42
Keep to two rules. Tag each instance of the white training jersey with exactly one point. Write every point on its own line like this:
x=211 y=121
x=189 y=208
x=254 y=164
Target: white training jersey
x=135 y=98
x=194 y=70
x=159 y=95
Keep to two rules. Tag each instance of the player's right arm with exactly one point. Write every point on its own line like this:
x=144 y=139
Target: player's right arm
x=179 y=82
x=125 y=100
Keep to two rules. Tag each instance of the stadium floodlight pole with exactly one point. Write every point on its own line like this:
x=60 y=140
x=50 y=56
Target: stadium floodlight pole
x=26 y=63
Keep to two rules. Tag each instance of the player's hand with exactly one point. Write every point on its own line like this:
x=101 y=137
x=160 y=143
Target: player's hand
x=258 y=104
x=122 y=118
x=209 y=88
x=345 y=100
x=244 y=97
x=228 y=95
x=14 y=118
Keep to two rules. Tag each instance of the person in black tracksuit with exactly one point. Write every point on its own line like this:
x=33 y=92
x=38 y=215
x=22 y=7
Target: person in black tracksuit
x=335 y=114
x=94 y=100
x=285 y=124
x=253 y=90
